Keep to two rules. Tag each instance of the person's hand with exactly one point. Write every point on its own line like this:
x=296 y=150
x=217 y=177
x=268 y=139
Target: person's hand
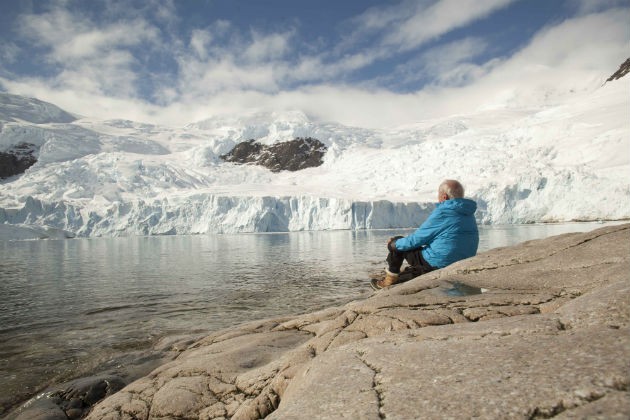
x=391 y=244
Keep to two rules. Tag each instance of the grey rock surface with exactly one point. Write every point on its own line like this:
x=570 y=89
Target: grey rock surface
x=538 y=330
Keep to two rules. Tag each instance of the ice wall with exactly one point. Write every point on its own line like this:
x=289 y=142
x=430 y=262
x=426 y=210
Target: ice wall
x=208 y=213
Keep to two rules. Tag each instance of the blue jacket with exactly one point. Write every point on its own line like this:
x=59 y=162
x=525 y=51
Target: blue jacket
x=449 y=234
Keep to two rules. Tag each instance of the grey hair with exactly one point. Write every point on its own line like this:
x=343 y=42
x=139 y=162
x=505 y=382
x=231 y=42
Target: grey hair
x=452 y=188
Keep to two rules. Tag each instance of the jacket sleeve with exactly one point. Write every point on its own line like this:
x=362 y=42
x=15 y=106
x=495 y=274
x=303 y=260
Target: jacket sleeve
x=423 y=236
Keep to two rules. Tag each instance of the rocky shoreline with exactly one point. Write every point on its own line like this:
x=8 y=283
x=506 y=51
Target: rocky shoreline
x=538 y=330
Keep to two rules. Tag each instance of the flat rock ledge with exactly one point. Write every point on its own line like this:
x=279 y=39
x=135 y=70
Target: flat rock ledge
x=537 y=330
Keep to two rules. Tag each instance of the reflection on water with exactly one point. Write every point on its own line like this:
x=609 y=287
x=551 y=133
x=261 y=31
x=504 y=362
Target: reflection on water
x=66 y=305
x=461 y=289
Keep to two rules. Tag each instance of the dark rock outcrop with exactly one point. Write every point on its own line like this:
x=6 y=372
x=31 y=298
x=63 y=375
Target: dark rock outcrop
x=16 y=160
x=622 y=71
x=294 y=155
x=74 y=399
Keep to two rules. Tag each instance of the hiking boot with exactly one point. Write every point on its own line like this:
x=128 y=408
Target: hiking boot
x=409 y=273
x=390 y=278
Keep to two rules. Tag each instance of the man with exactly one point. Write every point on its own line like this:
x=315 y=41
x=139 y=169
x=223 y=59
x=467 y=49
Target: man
x=449 y=234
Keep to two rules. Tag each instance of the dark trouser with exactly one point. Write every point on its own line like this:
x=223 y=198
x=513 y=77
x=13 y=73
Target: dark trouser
x=417 y=264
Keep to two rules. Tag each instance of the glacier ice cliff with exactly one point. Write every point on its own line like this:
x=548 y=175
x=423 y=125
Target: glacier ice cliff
x=208 y=213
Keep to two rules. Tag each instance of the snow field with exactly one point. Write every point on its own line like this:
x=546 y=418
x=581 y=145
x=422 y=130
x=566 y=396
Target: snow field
x=560 y=161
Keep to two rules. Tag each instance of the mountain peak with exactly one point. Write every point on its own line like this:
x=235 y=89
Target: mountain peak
x=20 y=108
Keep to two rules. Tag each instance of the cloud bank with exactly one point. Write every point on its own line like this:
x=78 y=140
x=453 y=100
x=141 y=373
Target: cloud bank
x=390 y=65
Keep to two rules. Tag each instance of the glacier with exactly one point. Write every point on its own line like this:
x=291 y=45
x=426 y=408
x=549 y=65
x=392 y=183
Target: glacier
x=555 y=159
x=208 y=213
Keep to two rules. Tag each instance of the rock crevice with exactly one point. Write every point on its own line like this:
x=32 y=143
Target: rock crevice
x=376 y=385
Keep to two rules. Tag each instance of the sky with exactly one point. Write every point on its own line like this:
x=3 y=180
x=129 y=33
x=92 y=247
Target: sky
x=358 y=62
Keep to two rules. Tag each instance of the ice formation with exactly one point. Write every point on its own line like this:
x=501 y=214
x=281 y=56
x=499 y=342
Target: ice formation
x=553 y=160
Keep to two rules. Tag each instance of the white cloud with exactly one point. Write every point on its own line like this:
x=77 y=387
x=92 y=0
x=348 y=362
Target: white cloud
x=399 y=28
x=264 y=48
x=321 y=68
x=198 y=78
x=165 y=10
x=216 y=58
x=449 y=64
x=222 y=71
x=72 y=36
x=237 y=64
x=452 y=63
x=8 y=52
x=206 y=42
x=438 y=19
x=576 y=54
x=110 y=73
x=199 y=39
x=91 y=57
x=585 y=42
x=220 y=58
x=412 y=23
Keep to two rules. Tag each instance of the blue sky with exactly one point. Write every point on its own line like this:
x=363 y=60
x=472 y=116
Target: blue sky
x=361 y=62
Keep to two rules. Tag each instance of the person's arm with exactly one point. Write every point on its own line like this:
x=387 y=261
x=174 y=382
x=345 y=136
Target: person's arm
x=423 y=236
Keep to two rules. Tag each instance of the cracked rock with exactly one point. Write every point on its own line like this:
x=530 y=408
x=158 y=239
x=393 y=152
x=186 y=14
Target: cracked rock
x=550 y=336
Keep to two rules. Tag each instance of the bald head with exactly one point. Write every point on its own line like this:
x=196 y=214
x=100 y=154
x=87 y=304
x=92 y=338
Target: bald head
x=449 y=189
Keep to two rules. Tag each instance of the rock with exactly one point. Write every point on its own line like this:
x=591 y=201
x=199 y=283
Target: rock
x=538 y=330
x=70 y=400
x=16 y=160
x=293 y=155
x=75 y=398
x=74 y=413
x=42 y=410
x=624 y=69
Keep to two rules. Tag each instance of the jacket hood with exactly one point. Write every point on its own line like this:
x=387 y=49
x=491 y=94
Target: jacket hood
x=464 y=206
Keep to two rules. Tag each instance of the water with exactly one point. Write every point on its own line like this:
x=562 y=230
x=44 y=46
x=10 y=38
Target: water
x=67 y=305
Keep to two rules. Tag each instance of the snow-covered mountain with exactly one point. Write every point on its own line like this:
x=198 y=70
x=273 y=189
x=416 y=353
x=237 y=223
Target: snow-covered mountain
x=554 y=160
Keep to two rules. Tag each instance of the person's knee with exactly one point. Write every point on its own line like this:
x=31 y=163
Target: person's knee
x=391 y=245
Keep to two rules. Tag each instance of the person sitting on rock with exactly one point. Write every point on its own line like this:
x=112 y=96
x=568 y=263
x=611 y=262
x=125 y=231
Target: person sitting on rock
x=449 y=234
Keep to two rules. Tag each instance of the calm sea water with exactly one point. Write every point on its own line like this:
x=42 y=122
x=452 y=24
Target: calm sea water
x=66 y=305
